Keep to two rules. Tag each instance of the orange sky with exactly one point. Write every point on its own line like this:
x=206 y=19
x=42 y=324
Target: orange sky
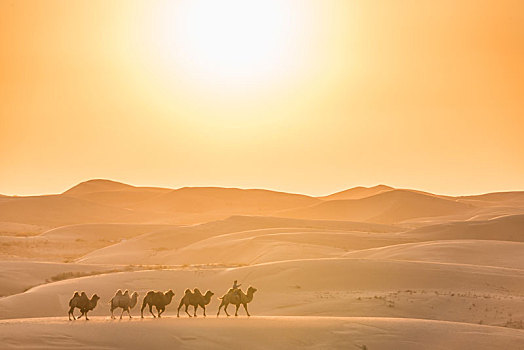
x=301 y=96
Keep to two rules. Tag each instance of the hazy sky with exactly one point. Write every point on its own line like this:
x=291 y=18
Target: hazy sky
x=302 y=96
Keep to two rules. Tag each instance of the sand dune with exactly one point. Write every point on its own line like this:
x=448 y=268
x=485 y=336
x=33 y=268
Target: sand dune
x=413 y=270
x=18 y=276
x=57 y=210
x=101 y=201
x=256 y=333
x=514 y=196
x=225 y=200
x=387 y=207
x=246 y=247
x=17 y=229
x=70 y=242
x=475 y=252
x=162 y=247
x=358 y=192
x=506 y=228
x=96 y=185
x=327 y=287
x=113 y=193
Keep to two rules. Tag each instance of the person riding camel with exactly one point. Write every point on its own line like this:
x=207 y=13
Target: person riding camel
x=236 y=287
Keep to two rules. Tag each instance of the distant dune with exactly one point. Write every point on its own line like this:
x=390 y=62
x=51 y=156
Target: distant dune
x=103 y=201
x=165 y=246
x=474 y=252
x=232 y=201
x=57 y=210
x=358 y=192
x=392 y=206
x=506 y=228
x=18 y=276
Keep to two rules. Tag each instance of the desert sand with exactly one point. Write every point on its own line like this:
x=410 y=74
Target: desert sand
x=364 y=268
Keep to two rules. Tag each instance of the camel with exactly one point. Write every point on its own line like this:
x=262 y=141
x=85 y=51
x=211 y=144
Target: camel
x=123 y=301
x=73 y=303
x=195 y=299
x=82 y=302
x=157 y=299
x=237 y=298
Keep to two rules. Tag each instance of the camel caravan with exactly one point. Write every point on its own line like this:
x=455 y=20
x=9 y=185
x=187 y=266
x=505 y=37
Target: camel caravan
x=160 y=300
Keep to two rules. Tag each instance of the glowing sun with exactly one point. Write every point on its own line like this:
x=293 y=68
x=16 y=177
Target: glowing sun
x=229 y=39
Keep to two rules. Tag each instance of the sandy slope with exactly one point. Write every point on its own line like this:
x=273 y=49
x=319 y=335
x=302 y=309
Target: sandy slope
x=379 y=285
x=163 y=247
x=17 y=229
x=222 y=242
x=99 y=201
x=56 y=211
x=505 y=228
x=225 y=200
x=327 y=287
x=358 y=192
x=475 y=252
x=70 y=242
x=387 y=207
x=17 y=276
x=256 y=333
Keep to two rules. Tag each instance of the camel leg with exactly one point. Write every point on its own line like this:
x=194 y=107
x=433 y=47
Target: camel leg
x=112 y=315
x=142 y=310
x=151 y=310
x=122 y=313
x=161 y=311
x=220 y=307
x=204 y=307
x=236 y=311
x=70 y=313
x=225 y=309
x=129 y=312
x=245 y=307
x=179 y=307
x=194 y=313
x=187 y=306
x=81 y=314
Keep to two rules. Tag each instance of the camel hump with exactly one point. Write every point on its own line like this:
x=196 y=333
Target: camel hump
x=197 y=291
x=187 y=291
x=126 y=292
x=119 y=292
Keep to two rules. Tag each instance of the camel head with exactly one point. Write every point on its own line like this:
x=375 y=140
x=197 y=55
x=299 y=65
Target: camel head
x=135 y=295
x=209 y=294
x=169 y=293
x=251 y=290
x=95 y=298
